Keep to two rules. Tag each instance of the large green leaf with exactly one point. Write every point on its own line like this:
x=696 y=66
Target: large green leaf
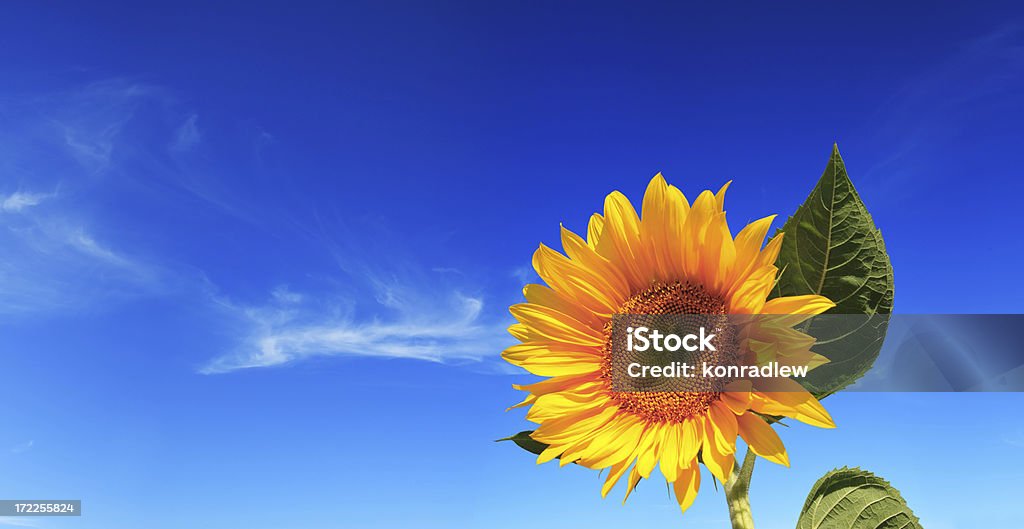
x=832 y=248
x=851 y=498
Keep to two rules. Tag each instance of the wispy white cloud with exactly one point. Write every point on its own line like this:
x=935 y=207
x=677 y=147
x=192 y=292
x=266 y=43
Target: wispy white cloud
x=110 y=133
x=451 y=328
x=21 y=448
x=51 y=261
x=928 y=113
x=94 y=152
x=1015 y=438
x=187 y=136
x=17 y=522
x=525 y=274
x=60 y=239
x=282 y=294
x=121 y=142
x=383 y=303
x=91 y=120
x=84 y=243
x=22 y=200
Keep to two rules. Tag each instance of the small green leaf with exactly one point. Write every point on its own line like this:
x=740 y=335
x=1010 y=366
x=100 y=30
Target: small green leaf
x=526 y=442
x=851 y=498
x=832 y=248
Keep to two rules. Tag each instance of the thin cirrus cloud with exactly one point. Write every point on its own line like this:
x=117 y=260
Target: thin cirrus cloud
x=22 y=447
x=61 y=246
x=49 y=260
x=22 y=200
x=187 y=136
x=71 y=157
x=57 y=150
x=90 y=121
x=381 y=302
x=288 y=330
x=928 y=115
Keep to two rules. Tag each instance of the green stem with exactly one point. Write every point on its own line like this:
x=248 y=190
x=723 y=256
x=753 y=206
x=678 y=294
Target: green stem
x=737 y=493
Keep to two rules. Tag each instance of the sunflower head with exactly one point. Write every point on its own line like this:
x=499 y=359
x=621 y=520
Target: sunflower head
x=672 y=259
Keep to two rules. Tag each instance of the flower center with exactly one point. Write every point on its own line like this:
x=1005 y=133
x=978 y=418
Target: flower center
x=673 y=399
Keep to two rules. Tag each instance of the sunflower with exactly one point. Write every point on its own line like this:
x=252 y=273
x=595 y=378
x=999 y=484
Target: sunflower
x=673 y=258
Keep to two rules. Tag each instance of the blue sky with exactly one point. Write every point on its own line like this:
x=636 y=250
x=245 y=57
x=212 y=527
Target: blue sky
x=256 y=259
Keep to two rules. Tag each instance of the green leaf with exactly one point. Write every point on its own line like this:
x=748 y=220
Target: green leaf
x=526 y=442
x=832 y=248
x=851 y=498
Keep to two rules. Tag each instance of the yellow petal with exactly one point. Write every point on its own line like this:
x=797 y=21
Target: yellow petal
x=634 y=479
x=719 y=255
x=594 y=228
x=549 y=454
x=737 y=396
x=677 y=210
x=587 y=442
x=770 y=253
x=556 y=326
x=800 y=307
x=689 y=442
x=588 y=258
x=720 y=196
x=693 y=234
x=543 y=295
x=525 y=402
x=654 y=234
x=575 y=281
x=807 y=359
x=647 y=450
x=686 y=486
x=762 y=439
x=748 y=296
x=556 y=384
x=543 y=351
x=717 y=458
x=614 y=447
x=613 y=477
x=748 y=246
x=670 y=452
x=549 y=360
x=725 y=426
x=654 y=199
x=774 y=329
x=520 y=332
x=561 y=404
x=788 y=398
x=620 y=240
x=567 y=428
x=614 y=443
